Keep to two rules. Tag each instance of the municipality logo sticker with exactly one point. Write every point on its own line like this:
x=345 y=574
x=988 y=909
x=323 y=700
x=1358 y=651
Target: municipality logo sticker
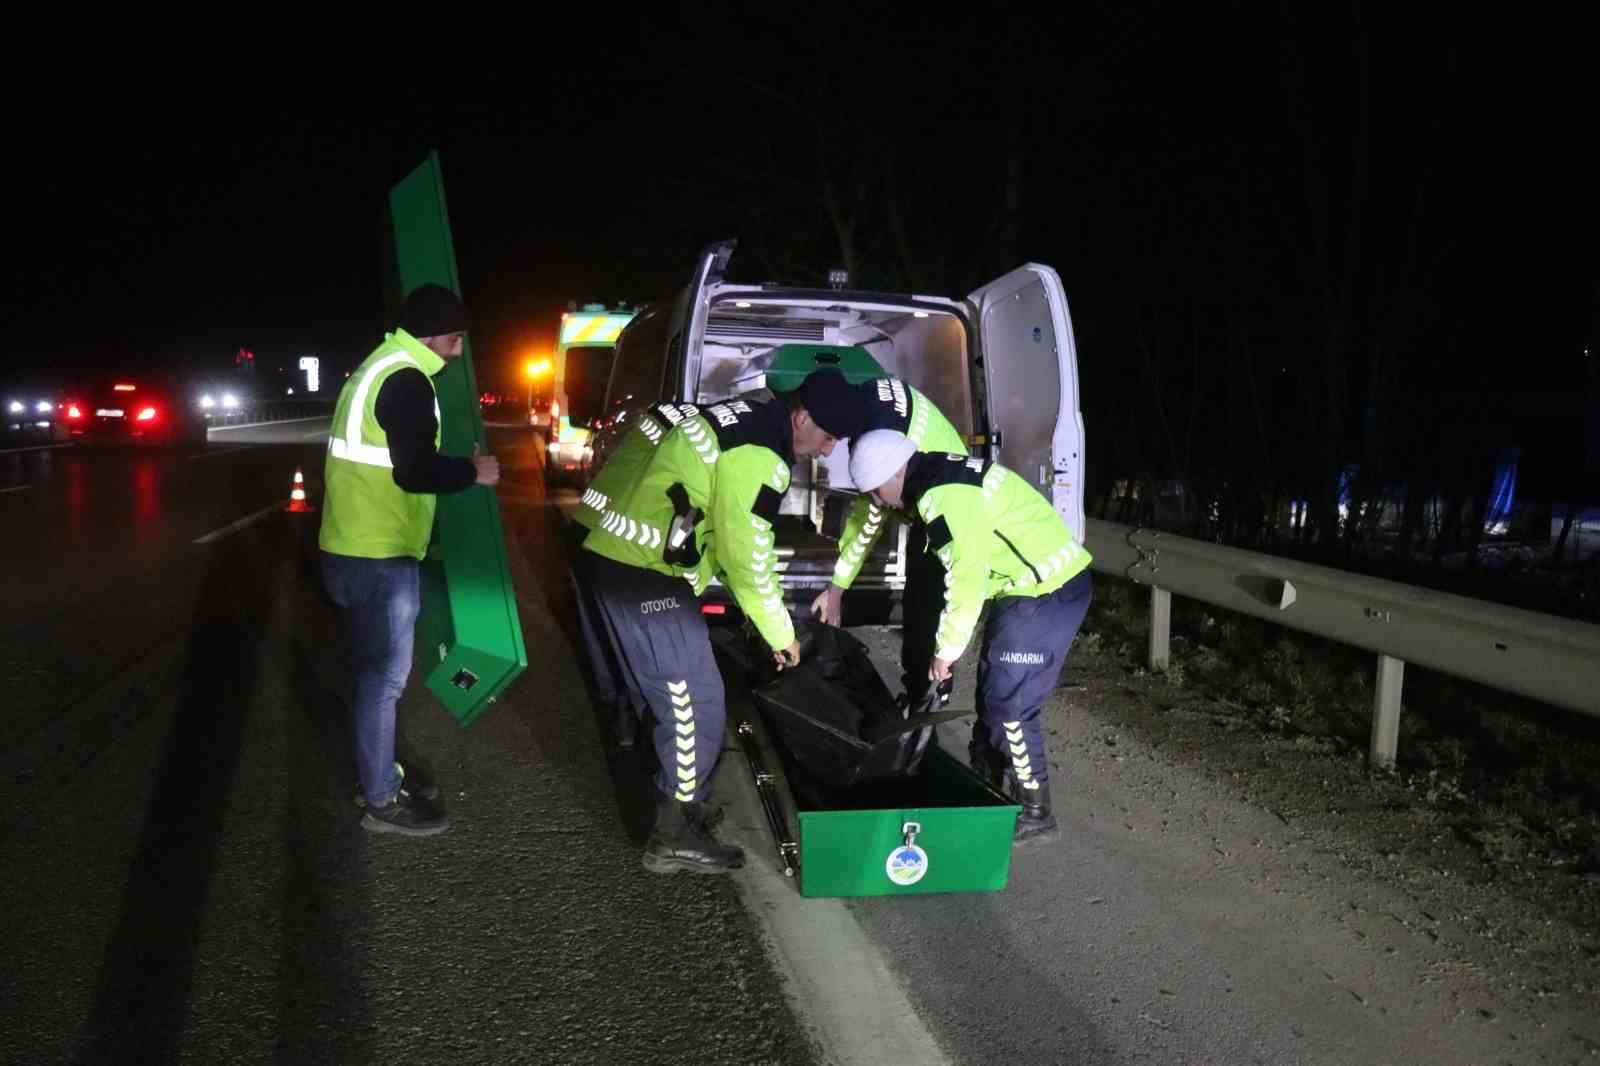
x=906 y=864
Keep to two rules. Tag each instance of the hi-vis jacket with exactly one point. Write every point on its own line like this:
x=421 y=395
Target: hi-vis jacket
x=630 y=458
x=995 y=536
x=364 y=513
x=890 y=404
x=720 y=472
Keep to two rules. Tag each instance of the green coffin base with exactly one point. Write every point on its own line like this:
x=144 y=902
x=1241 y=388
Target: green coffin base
x=966 y=835
x=792 y=362
x=469 y=636
x=466 y=646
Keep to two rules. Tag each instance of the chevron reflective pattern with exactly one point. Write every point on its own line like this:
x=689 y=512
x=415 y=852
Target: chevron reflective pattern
x=919 y=423
x=763 y=560
x=703 y=440
x=954 y=621
x=635 y=532
x=683 y=713
x=1018 y=750
x=1053 y=564
x=855 y=553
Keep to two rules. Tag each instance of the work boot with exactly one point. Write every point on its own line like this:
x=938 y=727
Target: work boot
x=682 y=841
x=1035 y=823
x=408 y=814
x=418 y=784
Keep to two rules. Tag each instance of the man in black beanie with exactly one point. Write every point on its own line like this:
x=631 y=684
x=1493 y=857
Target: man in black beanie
x=832 y=402
x=849 y=411
x=382 y=475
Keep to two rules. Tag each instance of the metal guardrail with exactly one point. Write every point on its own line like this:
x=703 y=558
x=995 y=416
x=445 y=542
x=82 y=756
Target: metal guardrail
x=271 y=411
x=1554 y=660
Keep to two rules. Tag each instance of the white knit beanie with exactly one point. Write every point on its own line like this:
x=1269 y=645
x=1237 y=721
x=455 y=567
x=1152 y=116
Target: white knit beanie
x=877 y=456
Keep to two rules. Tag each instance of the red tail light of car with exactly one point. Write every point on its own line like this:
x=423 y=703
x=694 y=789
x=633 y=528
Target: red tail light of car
x=147 y=414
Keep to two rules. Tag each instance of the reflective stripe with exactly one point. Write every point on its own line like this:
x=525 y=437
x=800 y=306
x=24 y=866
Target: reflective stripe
x=631 y=530
x=856 y=553
x=350 y=447
x=367 y=454
x=702 y=440
x=683 y=713
x=1020 y=763
x=919 y=422
x=576 y=329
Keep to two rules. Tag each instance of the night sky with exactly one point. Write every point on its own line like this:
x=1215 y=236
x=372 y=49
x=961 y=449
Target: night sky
x=1204 y=182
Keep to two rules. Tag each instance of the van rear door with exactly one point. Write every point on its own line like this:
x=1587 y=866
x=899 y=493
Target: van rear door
x=1030 y=366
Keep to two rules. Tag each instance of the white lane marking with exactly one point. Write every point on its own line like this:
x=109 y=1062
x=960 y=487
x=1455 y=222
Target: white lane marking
x=223 y=451
x=34 y=448
x=17 y=488
x=838 y=979
x=234 y=527
x=282 y=422
x=323 y=432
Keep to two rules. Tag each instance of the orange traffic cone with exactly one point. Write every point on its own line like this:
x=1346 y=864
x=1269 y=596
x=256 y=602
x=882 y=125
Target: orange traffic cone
x=298 y=503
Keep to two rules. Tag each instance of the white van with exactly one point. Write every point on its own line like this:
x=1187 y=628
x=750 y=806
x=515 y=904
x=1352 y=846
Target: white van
x=1001 y=364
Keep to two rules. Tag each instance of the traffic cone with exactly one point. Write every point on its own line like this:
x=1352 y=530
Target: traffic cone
x=298 y=504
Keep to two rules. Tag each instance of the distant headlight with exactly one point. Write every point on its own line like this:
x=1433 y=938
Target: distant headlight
x=207 y=402
x=17 y=407
x=229 y=400
x=43 y=407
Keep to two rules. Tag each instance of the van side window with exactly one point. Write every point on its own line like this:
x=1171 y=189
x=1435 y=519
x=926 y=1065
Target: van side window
x=641 y=357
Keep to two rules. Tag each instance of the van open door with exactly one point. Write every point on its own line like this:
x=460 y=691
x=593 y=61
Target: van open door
x=1030 y=367
x=709 y=269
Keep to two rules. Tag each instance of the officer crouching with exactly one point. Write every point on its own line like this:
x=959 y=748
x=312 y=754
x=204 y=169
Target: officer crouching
x=998 y=540
x=692 y=493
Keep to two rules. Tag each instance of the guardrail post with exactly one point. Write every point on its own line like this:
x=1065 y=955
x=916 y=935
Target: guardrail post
x=1160 y=629
x=1386 y=711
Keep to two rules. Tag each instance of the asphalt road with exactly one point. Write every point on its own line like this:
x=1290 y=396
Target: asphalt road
x=186 y=879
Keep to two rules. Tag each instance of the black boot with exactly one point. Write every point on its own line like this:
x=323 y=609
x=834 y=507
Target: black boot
x=682 y=841
x=1035 y=823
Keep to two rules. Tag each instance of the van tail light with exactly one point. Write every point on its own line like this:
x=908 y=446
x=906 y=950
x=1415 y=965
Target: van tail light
x=148 y=414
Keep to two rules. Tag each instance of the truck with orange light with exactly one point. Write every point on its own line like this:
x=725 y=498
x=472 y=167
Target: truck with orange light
x=580 y=369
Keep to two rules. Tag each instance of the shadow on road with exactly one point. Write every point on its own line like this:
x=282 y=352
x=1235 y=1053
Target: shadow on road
x=142 y=992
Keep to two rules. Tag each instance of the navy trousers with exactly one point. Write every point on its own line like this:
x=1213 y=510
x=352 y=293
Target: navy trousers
x=648 y=646
x=1024 y=647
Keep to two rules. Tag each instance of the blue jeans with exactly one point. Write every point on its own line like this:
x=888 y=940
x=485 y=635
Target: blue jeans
x=378 y=601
